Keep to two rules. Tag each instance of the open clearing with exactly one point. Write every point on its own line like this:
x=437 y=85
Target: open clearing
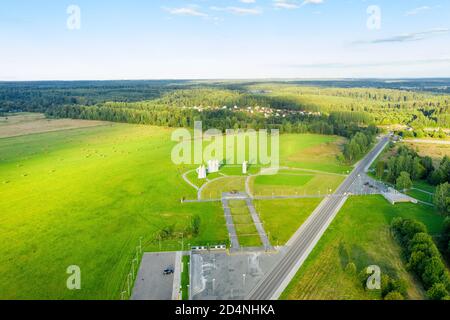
x=359 y=234
x=29 y=123
x=295 y=183
x=312 y=152
x=435 y=151
x=85 y=196
x=281 y=218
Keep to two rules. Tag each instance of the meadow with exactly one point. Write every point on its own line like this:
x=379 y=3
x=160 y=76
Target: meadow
x=85 y=197
x=315 y=152
x=281 y=218
x=359 y=234
x=435 y=151
x=295 y=183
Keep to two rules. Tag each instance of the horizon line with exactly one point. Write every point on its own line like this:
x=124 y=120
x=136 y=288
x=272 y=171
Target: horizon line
x=231 y=79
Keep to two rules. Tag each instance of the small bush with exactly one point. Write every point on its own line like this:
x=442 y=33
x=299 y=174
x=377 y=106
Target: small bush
x=350 y=268
x=394 y=295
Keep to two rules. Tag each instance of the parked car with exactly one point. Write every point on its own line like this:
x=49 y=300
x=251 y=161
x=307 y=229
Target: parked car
x=168 y=271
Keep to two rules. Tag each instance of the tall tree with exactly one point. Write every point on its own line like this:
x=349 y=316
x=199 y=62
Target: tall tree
x=404 y=181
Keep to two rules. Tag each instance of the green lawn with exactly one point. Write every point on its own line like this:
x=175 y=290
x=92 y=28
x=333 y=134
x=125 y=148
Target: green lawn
x=185 y=278
x=214 y=189
x=423 y=185
x=284 y=179
x=245 y=228
x=419 y=195
x=281 y=218
x=295 y=184
x=359 y=234
x=84 y=197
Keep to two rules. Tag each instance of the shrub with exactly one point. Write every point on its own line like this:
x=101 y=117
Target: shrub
x=350 y=268
x=195 y=224
x=438 y=292
x=394 y=295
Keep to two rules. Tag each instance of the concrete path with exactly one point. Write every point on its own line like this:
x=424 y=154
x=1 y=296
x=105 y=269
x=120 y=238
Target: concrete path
x=188 y=181
x=230 y=225
x=262 y=233
x=176 y=292
x=247 y=186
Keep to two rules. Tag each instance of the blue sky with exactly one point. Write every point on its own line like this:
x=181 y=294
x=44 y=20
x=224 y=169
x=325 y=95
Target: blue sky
x=213 y=39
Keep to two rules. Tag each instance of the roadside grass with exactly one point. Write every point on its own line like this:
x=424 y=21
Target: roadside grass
x=185 y=278
x=283 y=184
x=281 y=218
x=359 y=234
x=245 y=228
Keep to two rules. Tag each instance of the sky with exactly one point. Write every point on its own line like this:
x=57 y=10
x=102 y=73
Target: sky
x=223 y=39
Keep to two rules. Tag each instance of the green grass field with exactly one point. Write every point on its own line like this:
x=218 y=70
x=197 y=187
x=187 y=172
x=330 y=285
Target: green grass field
x=245 y=228
x=185 y=278
x=312 y=151
x=215 y=188
x=281 y=218
x=359 y=234
x=295 y=183
x=420 y=195
x=85 y=196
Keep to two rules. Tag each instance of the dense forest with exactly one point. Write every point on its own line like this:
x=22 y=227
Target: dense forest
x=328 y=107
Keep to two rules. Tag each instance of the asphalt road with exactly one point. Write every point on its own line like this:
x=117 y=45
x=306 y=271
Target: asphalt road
x=302 y=243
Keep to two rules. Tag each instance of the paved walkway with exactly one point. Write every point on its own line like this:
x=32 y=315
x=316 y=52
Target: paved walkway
x=262 y=233
x=230 y=225
x=185 y=178
x=255 y=217
x=176 y=292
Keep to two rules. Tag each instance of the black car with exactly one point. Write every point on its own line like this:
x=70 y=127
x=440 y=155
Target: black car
x=168 y=271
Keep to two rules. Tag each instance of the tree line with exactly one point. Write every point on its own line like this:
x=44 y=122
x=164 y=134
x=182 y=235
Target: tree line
x=423 y=257
x=351 y=105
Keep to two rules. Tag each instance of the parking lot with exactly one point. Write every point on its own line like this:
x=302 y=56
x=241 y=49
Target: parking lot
x=151 y=283
x=220 y=276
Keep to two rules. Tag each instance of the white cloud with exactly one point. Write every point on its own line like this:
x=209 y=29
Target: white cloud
x=312 y=2
x=247 y=1
x=418 y=10
x=414 y=36
x=186 y=11
x=239 y=10
x=294 y=4
x=285 y=4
